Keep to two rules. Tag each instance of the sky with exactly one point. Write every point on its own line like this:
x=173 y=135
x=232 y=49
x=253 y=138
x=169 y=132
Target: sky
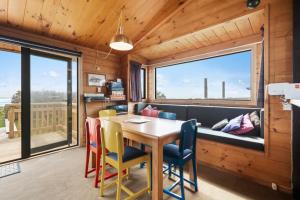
x=186 y=81
x=182 y=81
x=46 y=74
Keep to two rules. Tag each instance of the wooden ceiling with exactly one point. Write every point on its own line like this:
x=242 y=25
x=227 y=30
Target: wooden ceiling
x=157 y=27
x=242 y=27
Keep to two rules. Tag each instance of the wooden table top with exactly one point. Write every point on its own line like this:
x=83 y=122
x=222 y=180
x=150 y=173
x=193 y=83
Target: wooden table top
x=154 y=128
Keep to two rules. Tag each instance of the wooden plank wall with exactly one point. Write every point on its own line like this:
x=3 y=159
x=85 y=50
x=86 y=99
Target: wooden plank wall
x=110 y=67
x=273 y=166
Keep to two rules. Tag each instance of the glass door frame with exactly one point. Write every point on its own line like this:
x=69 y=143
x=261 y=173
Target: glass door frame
x=26 y=150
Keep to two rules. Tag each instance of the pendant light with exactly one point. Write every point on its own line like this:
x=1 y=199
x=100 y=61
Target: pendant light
x=120 y=41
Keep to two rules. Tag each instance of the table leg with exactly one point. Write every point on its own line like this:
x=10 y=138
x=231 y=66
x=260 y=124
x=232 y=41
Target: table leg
x=157 y=175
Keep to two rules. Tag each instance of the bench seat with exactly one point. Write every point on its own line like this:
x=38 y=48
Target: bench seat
x=249 y=142
x=208 y=116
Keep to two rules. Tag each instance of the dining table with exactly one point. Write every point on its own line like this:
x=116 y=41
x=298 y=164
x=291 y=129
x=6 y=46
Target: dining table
x=155 y=132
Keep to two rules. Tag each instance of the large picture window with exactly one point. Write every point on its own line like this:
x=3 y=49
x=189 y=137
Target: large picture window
x=222 y=77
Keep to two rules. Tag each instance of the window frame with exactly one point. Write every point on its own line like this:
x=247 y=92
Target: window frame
x=243 y=102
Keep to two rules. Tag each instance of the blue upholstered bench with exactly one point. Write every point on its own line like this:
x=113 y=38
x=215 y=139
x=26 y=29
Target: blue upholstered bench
x=208 y=116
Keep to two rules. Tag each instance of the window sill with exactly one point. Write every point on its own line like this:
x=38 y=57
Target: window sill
x=210 y=102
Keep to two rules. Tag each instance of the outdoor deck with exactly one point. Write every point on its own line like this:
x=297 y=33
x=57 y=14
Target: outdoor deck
x=48 y=125
x=10 y=148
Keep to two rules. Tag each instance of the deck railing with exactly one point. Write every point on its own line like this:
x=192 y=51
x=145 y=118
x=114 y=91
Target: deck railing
x=45 y=118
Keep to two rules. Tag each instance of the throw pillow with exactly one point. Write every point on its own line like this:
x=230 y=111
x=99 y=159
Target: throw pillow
x=246 y=126
x=233 y=124
x=150 y=112
x=254 y=118
x=218 y=126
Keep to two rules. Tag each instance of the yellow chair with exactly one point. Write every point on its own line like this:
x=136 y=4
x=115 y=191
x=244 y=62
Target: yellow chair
x=112 y=140
x=107 y=113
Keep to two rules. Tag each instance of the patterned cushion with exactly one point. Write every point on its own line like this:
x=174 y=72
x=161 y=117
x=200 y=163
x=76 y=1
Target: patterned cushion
x=218 y=126
x=130 y=153
x=172 y=150
x=246 y=126
x=233 y=124
x=254 y=118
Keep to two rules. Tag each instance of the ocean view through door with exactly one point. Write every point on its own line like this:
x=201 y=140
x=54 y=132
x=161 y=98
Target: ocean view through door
x=51 y=102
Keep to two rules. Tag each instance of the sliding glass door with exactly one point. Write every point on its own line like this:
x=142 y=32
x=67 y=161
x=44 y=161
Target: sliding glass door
x=50 y=101
x=38 y=101
x=10 y=102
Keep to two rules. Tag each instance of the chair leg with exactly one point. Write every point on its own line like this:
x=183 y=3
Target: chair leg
x=143 y=149
x=87 y=160
x=98 y=157
x=119 y=183
x=170 y=169
x=102 y=178
x=181 y=182
x=195 y=174
x=128 y=173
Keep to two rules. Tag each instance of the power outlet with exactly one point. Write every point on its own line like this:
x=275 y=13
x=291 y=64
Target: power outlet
x=274 y=186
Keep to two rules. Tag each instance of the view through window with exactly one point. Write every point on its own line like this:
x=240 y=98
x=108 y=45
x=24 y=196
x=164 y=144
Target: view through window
x=222 y=77
x=53 y=102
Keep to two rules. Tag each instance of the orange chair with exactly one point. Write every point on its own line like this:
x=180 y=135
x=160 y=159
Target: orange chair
x=93 y=144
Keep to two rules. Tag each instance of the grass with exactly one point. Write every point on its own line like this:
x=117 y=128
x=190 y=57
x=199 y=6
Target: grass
x=2 y=116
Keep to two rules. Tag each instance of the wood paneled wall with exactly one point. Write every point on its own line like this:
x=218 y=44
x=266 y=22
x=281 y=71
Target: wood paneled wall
x=273 y=165
x=87 y=64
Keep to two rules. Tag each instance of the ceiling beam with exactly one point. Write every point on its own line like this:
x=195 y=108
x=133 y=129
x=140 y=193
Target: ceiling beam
x=211 y=14
x=170 y=8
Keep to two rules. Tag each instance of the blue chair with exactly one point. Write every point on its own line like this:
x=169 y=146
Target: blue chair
x=167 y=115
x=180 y=155
x=163 y=115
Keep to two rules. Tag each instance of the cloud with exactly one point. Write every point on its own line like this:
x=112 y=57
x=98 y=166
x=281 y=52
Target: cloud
x=241 y=82
x=53 y=74
x=3 y=85
x=161 y=80
x=186 y=80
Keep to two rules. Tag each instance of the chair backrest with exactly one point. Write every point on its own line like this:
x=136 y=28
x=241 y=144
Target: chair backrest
x=112 y=137
x=92 y=130
x=167 y=115
x=188 y=136
x=107 y=113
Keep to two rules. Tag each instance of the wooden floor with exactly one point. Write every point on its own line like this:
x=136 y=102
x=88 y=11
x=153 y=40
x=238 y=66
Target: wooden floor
x=60 y=176
x=10 y=149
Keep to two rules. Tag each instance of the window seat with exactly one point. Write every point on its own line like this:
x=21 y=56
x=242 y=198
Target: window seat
x=250 y=142
x=208 y=116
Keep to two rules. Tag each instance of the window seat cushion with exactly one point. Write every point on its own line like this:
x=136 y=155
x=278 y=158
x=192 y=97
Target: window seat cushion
x=250 y=142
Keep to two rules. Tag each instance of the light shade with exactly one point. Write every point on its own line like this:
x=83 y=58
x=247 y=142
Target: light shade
x=121 y=42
